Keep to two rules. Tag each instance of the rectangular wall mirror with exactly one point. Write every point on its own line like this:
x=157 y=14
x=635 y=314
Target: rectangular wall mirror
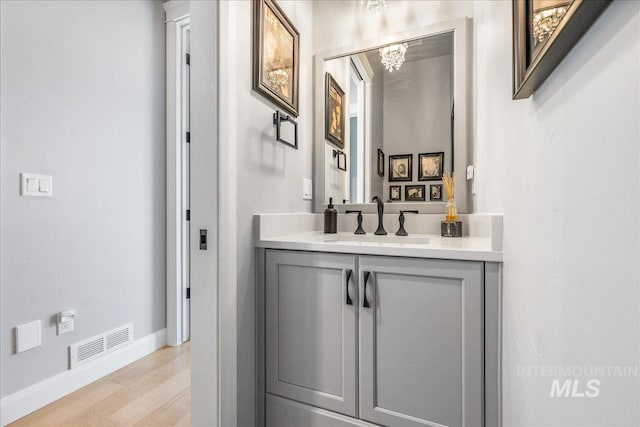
x=398 y=108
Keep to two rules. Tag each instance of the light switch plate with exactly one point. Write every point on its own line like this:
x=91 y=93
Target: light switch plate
x=28 y=336
x=471 y=176
x=307 y=189
x=32 y=185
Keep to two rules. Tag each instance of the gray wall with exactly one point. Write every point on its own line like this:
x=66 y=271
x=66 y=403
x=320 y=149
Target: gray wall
x=83 y=100
x=417 y=114
x=571 y=295
x=268 y=178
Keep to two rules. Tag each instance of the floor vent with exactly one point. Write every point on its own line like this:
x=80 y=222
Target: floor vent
x=95 y=347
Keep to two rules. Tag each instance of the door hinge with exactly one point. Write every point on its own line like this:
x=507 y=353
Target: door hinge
x=188 y=214
x=189 y=293
x=188 y=136
x=188 y=59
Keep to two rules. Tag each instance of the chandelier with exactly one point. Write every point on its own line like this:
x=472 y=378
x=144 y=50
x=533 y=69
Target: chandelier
x=376 y=5
x=546 y=21
x=393 y=56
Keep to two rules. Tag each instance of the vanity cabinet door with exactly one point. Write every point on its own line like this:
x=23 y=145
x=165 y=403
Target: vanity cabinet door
x=421 y=342
x=311 y=329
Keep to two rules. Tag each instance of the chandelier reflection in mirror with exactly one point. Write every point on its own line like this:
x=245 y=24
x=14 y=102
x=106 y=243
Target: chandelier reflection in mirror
x=393 y=56
x=278 y=78
x=376 y=5
x=545 y=22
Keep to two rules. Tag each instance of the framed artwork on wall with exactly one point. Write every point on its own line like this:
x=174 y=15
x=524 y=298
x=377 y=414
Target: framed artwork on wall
x=435 y=192
x=431 y=166
x=400 y=167
x=414 y=193
x=276 y=60
x=544 y=31
x=380 y=162
x=334 y=112
x=395 y=192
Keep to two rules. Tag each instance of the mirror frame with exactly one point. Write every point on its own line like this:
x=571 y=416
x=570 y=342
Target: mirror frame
x=461 y=28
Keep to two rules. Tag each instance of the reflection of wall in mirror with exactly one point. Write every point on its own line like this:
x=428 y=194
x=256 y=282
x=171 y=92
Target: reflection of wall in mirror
x=417 y=111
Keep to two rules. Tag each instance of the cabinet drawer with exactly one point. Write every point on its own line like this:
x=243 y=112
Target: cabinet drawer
x=287 y=413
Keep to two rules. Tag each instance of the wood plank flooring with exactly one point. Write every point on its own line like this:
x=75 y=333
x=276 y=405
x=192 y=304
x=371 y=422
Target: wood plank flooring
x=153 y=391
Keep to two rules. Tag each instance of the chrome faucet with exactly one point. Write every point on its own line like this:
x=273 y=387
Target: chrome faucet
x=380 y=231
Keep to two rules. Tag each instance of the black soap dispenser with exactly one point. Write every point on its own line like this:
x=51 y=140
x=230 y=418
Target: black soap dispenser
x=330 y=218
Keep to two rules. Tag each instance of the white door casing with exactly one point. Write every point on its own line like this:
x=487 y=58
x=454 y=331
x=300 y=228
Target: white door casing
x=177 y=170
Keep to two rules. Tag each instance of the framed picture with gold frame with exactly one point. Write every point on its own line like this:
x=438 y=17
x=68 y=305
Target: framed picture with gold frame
x=276 y=62
x=544 y=31
x=334 y=112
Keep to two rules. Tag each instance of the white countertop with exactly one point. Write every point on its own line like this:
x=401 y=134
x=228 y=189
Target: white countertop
x=415 y=245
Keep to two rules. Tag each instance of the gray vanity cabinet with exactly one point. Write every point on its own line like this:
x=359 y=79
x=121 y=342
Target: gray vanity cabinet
x=310 y=329
x=361 y=340
x=421 y=342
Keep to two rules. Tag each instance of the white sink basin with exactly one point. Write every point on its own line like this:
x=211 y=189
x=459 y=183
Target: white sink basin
x=372 y=238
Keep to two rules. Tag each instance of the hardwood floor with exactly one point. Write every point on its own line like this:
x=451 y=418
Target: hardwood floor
x=153 y=391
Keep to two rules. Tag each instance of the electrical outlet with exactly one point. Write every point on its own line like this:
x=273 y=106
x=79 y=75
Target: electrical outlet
x=307 y=189
x=65 y=327
x=66 y=321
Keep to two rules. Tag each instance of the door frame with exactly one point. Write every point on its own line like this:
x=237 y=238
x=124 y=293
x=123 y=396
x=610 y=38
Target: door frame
x=177 y=22
x=365 y=101
x=211 y=205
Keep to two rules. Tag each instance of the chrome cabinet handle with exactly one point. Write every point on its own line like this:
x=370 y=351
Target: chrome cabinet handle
x=349 y=300
x=365 y=301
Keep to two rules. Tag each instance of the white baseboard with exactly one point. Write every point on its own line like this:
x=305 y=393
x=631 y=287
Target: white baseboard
x=34 y=397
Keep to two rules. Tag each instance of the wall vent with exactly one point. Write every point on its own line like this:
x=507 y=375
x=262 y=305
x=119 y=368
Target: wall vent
x=95 y=347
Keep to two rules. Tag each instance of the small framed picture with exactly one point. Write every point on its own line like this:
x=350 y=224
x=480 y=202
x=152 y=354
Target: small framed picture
x=334 y=112
x=381 y=163
x=400 y=167
x=431 y=165
x=395 y=192
x=414 y=193
x=435 y=192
